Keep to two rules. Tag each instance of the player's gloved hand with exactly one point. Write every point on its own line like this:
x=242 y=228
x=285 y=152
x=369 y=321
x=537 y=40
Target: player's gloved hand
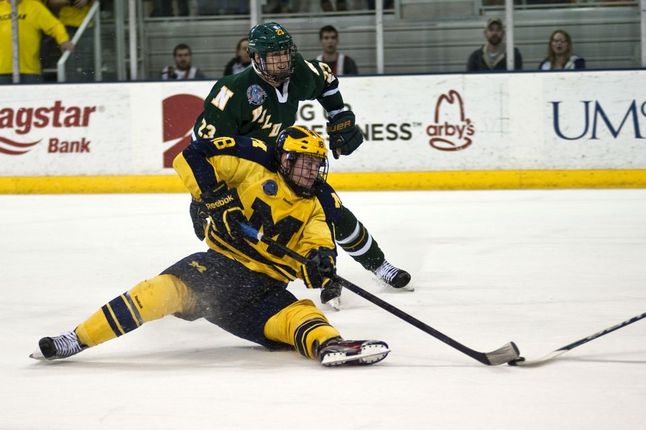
x=345 y=136
x=331 y=293
x=226 y=211
x=319 y=268
x=199 y=216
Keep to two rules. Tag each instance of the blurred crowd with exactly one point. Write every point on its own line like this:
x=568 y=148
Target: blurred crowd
x=47 y=29
x=162 y=8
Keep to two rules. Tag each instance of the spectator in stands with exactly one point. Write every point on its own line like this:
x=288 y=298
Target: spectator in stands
x=241 y=61
x=328 y=5
x=33 y=18
x=559 y=54
x=165 y=8
x=182 y=68
x=339 y=63
x=277 y=6
x=492 y=55
x=80 y=65
x=223 y=7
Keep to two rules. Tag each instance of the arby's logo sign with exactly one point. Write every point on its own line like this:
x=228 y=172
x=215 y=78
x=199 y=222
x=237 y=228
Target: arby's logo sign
x=451 y=129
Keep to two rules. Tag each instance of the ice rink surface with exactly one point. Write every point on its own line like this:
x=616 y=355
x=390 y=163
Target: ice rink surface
x=541 y=268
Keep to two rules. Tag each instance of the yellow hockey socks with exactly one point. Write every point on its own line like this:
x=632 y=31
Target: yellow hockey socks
x=301 y=325
x=147 y=301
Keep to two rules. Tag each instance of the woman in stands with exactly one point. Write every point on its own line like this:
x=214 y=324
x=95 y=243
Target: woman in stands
x=559 y=54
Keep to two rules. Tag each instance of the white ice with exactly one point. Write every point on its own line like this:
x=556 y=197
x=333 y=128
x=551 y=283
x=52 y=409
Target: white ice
x=541 y=268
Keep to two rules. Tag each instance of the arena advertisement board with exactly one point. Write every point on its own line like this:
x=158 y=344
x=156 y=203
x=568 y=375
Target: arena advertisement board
x=526 y=121
x=425 y=123
x=90 y=129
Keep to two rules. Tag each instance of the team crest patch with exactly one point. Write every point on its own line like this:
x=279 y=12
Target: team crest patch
x=270 y=187
x=256 y=95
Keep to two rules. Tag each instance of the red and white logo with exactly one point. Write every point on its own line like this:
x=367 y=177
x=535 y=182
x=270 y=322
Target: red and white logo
x=11 y=147
x=179 y=114
x=23 y=122
x=451 y=130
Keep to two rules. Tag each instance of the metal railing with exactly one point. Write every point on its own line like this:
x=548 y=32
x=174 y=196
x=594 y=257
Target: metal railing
x=565 y=4
x=15 y=42
x=94 y=12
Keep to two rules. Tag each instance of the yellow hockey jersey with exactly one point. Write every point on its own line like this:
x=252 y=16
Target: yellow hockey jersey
x=269 y=203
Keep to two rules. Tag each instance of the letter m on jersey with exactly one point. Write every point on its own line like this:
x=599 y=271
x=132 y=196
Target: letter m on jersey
x=281 y=231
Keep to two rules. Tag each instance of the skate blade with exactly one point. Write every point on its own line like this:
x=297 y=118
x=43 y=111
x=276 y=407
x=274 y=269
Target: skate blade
x=37 y=355
x=408 y=287
x=335 y=303
x=371 y=354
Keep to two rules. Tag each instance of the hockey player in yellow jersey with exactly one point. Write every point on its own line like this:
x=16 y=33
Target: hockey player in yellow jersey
x=262 y=100
x=239 y=283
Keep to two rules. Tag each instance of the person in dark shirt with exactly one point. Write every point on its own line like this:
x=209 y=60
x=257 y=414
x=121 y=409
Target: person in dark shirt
x=241 y=61
x=492 y=55
x=340 y=64
x=183 y=68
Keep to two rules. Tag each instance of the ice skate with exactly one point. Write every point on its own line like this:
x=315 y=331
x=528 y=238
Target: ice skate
x=393 y=276
x=338 y=352
x=54 y=348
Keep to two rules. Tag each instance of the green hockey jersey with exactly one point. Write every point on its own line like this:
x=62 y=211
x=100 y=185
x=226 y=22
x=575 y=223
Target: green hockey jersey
x=244 y=104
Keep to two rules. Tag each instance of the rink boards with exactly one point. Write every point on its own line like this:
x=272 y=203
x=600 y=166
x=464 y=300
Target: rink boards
x=522 y=130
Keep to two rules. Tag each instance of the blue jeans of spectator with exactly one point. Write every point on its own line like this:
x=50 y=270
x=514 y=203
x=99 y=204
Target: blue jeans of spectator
x=24 y=79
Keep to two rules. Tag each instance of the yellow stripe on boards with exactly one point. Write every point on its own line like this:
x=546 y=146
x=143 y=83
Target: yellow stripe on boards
x=90 y=184
x=372 y=181
x=489 y=179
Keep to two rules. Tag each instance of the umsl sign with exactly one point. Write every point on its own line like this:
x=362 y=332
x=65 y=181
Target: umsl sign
x=589 y=119
x=19 y=125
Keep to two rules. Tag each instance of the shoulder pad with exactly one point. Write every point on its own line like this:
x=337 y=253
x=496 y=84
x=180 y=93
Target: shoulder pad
x=330 y=202
x=239 y=146
x=255 y=150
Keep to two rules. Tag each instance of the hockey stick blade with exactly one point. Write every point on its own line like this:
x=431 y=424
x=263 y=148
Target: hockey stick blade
x=521 y=361
x=502 y=355
x=505 y=354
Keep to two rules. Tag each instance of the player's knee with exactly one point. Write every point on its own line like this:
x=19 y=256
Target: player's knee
x=160 y=296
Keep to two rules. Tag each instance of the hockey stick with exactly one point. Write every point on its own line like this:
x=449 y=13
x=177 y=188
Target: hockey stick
x=505 y=354
x=521 y=361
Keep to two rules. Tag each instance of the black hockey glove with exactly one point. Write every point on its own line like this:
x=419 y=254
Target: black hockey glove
x=225 y=209
x=331 y=291
x=345 y=136
x=199 y=216
x=319 y=268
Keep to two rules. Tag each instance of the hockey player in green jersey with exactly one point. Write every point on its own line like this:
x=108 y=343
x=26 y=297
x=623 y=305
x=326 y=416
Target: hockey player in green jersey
x=263 y=100
x=240 y=283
